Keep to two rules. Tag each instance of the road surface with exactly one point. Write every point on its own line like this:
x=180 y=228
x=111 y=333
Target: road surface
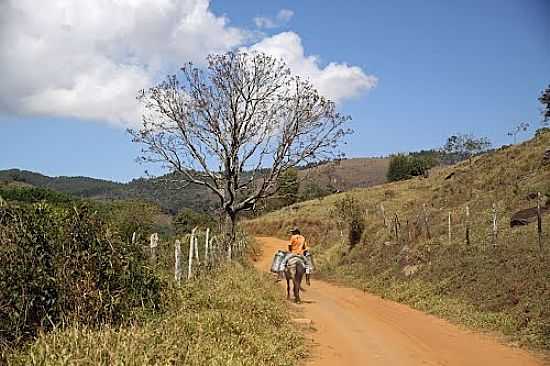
x=356 y=328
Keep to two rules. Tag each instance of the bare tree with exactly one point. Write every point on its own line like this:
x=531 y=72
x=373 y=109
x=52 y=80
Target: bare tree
x=235 y=126
x=521 y=127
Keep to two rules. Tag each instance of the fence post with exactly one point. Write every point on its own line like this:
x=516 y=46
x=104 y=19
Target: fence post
x=134 y=238
x=191 y=246
x=206 y=246
x=539 y=221
x=449 y=228
x=177 y=269
x=196 y=244
x=396 y=227
x=467 y=224
x=426 y=222
x=383 y=215
x=153 y=243
x=494 y=225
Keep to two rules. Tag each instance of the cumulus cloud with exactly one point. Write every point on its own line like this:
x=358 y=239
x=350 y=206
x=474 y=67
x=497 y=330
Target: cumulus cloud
x=282 y=18
x=87 y=59
x=337 y=81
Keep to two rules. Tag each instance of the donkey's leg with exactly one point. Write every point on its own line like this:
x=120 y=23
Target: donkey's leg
x=287 y=287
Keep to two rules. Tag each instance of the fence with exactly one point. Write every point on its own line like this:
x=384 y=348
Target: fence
x=197 y=253
x=451 y=226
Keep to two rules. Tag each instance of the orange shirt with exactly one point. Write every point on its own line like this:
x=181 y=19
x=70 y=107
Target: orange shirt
x=297 y=244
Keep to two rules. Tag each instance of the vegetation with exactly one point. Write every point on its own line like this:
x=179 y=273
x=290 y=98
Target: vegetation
x=235 y=318
x=66 y=266
x=187 y=219
x=499 y=287
x=350 y=214
x=33 y=195
x=462 y=146
x=544 y=99
x=407 y=166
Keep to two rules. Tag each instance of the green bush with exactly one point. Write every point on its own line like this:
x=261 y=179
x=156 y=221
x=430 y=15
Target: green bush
x=33 y=195
x=62 y=265
x=349 y=211
x=188 y=219
x=407 y=166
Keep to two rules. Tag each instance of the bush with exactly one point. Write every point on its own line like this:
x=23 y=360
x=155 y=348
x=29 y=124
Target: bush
x=188 y=219
x=33 y=195
x=67 y=265
x=407 y=166
x=350 y=213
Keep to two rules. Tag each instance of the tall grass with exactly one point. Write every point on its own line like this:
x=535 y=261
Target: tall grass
x=235 y=317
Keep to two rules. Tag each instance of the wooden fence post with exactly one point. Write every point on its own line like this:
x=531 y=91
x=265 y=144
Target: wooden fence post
x=177 y=269
x=539 y=221
x=153 y=243
x=467 y=224
x=449 y=228
x=396 y=227
x=196 y=244
x=206 y=246
x=494 y=210
x=191 y=247
x=383 y=215
x=426 y=222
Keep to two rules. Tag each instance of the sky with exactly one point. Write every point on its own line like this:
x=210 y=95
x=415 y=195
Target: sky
x=409 y=73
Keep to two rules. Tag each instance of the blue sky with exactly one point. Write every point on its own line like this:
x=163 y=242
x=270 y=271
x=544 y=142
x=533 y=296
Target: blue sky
x=441 y=67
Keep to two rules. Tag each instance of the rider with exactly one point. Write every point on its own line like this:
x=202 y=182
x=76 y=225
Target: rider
x=297 y=246
x=297 y=243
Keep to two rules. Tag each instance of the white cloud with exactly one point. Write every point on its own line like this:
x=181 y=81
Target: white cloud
x=87 y=59
x=282 y=18
x=337 y=81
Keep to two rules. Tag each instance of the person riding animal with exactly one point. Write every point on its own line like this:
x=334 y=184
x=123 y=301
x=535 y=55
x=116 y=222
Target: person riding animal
x=294 y=264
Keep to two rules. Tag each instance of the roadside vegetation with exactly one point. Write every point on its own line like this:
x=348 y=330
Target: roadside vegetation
x=487 y=276
x=78 y=286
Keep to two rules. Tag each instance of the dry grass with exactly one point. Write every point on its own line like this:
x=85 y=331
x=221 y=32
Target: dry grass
x=505 y=288
x=235 y=317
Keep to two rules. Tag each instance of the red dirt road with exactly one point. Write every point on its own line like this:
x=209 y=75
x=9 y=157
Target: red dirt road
x=357 y=328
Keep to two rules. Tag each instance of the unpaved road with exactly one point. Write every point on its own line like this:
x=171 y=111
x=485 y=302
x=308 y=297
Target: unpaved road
x=356 y=328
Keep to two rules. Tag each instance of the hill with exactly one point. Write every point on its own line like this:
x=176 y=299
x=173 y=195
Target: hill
x=348 y=174
x=401 y=248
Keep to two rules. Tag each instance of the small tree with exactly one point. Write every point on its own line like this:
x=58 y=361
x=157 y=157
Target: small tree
x=407 y=166
x=349 y=212
x=521 y=127
x=461 y=146
x=244 y=112
x=544 y=99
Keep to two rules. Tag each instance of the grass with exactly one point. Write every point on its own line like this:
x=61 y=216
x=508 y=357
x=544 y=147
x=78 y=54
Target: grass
x=504 y=288
x=233 y=317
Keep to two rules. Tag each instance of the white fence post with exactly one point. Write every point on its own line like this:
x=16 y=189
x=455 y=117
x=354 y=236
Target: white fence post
x=191 y=246
x=206 y=246
x=177 y=270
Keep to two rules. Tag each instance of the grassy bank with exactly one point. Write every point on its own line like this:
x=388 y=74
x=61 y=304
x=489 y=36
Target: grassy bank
x=500 y=283
x=234 y=317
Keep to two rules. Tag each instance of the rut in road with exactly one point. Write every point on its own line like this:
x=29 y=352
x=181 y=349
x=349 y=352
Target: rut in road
x=356 y=328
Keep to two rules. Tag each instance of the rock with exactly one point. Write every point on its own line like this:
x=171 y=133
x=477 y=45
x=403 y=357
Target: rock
x=409 y=270
x=526 y=216
x=303 y=322
x=546 y=157
x=450 y=176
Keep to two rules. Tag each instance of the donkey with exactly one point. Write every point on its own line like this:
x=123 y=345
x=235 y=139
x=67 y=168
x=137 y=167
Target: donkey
x=295 y=270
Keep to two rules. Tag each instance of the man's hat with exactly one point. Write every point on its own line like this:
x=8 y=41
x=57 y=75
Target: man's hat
x=295 y=230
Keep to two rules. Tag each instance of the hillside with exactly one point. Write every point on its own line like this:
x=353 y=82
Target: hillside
x=348 y=174
x=497 y=283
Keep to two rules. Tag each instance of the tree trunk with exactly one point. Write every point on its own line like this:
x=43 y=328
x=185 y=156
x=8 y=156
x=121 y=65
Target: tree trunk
x=230 y=232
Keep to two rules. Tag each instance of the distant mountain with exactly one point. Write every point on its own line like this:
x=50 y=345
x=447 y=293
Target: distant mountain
x=346 y=175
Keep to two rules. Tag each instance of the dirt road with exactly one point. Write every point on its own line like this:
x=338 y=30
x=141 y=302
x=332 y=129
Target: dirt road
x=356 y=328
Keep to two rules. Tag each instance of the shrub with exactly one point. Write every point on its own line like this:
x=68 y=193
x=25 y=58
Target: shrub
x=65 y=265
x=188 y=219
x=349 y=211
x=407 y=166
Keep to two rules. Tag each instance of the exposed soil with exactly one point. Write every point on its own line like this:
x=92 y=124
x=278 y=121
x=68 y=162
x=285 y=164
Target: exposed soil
x=353 y=327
